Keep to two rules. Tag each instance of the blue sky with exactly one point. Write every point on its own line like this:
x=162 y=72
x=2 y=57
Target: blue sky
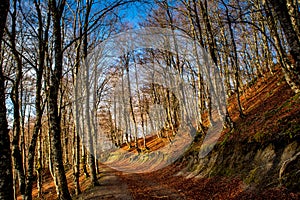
x=135 y=13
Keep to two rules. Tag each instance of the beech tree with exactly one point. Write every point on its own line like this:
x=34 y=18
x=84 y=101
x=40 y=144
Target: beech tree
x=6 y=179
x=39 y=104
x=56 y=10
x=291 y=31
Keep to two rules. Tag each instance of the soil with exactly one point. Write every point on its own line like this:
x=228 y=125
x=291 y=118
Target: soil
x=166 y=184
x=111 y=187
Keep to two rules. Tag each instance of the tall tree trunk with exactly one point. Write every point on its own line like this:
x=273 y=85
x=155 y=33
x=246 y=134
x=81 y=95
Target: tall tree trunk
x=125 y=112
x=76 y=139
x=127 y=58
x=235 y=62
x=15 y=97
x=43 y=39
x=56 y=10
x=88 y=118
x=141 y=110
x=91 y=157
x=6 y=178
x=39 y=165
x=212 y=51
x=292 y=69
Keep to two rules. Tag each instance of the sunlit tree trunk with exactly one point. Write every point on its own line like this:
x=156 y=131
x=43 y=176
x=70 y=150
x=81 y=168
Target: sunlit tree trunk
x=76 y=136
x=235 y=61
x=141 y=110
x=292 y=69
x=88 y=116
x=126 y=62
x=39 y=165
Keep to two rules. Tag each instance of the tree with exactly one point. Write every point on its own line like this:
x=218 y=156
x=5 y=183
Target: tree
x=15 y=98
x=235 y=60
x=56 y=10
x=39 y=105
x=292 y=69
x=6 y=179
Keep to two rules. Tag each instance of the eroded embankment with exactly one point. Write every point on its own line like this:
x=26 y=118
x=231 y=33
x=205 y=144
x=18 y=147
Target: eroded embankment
x=264 y=165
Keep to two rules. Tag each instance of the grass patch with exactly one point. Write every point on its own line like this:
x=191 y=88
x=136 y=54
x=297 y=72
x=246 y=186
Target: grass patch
x=225 y=140
x=252 y=177
x=293 y=131
x=259 y=136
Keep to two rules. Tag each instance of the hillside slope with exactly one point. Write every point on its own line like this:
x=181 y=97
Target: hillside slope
x=259 y=159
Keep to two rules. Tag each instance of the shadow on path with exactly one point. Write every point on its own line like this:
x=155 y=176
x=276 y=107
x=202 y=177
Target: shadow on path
x=111 y=187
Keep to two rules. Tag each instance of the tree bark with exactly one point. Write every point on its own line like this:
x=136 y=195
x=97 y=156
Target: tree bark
x=15 y=98
x=43 y=39
x=6 y=178
x=91 y=157
x=292 y=69
x=60 y=180
x=235 y=62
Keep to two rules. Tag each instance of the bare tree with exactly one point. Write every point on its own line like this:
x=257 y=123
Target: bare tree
x=56 y=10
x=39 y=105
x=292 y=69
x=6 y=179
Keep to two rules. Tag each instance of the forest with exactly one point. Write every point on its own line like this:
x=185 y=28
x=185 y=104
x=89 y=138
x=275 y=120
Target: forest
x=149 y=99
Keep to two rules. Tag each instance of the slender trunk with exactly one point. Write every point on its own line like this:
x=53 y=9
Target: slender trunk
x=76 y=139
x=125 y=113
x=140 y=105
x=76 y=112
x=131 y=103
x=235 y=62
x=43 y=38
x=15 y=97
x=91 y=157
x=39 y=165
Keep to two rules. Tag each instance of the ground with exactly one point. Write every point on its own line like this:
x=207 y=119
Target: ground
x=165 y=184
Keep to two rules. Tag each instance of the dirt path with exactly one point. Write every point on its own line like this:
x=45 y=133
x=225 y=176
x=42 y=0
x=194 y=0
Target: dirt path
x=125 y=186
x=143 y=187
x=163 y=184
x=111 y=187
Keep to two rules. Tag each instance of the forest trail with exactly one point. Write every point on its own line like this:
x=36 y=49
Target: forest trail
x=120 y=185
x=111 y=187
x=167 y=184
x=148 y=188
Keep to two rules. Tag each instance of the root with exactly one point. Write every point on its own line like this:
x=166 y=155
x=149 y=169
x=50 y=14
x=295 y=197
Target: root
x=286 y=163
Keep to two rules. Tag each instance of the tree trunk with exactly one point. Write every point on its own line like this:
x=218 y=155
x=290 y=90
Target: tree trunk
x=76 y=137
x=88 y=116
x=6 y=178
x=43 y=39
x=235 y=62
x=127 y=58
x=55 y=119
x=15 y=98
x=39 y=166
x=292 y=69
